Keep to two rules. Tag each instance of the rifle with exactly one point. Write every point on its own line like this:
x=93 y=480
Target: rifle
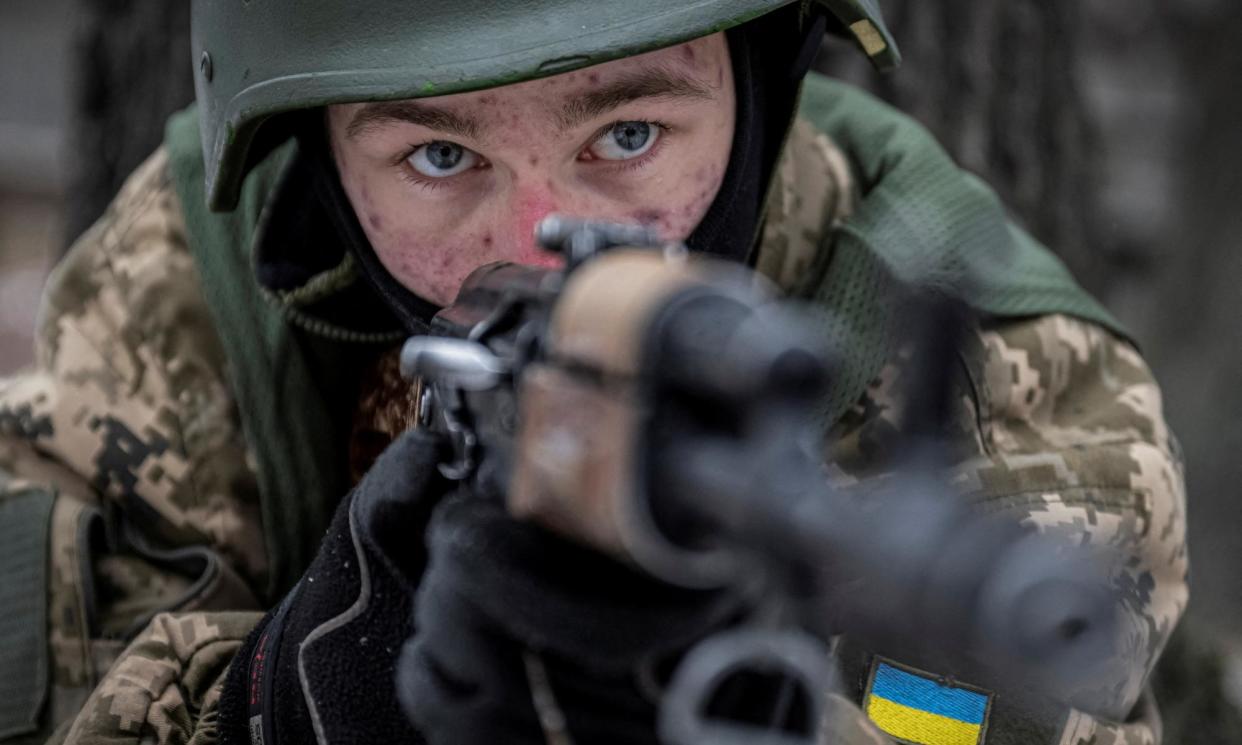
x=659 y=407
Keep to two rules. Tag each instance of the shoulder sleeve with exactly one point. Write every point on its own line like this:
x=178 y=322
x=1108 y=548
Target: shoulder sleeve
x=121 y=450
x=165 y=688
x=1060 y=426
x=1072 y=441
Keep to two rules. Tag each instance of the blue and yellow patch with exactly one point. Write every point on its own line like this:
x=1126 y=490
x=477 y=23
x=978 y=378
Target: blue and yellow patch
x=915 y=707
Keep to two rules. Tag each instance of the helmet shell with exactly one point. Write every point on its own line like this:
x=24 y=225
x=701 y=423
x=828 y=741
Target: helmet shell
x=258 y=58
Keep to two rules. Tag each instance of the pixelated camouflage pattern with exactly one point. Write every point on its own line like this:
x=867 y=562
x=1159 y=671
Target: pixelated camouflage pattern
x=1076 y=443
x=1084 y=729
x=166 y=687
x=1060 y=426
x=127 y=416
x=811 y=194
x=78 y=657
x=131 y=378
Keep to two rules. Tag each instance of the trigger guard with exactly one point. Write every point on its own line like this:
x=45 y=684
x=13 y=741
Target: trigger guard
x=709 y=664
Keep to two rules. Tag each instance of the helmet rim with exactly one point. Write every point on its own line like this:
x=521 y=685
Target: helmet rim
x=241 y=83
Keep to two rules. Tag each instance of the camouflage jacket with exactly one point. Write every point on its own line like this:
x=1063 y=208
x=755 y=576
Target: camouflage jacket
x=123 y=456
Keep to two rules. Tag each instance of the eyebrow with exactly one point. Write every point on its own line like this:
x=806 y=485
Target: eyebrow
x=377 y=114
x=654 y=82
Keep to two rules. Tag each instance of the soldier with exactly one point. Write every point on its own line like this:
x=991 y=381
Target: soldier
x=215 y=365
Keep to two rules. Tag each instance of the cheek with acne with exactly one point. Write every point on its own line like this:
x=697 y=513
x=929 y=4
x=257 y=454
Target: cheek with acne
x=694 y=199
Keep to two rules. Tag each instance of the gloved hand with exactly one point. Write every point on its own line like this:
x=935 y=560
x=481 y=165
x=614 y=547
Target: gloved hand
x=498 y=601
x=512 y=618
x=320 y=666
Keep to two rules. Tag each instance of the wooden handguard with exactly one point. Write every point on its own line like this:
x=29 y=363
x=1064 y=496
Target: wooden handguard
x=575 y=462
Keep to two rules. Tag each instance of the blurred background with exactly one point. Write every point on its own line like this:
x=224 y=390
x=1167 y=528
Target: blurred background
x=1113 y=130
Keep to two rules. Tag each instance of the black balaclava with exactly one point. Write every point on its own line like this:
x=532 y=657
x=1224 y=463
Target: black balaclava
x=767 y=69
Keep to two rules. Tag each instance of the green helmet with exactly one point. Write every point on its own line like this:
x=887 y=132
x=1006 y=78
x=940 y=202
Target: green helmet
x=259 y=58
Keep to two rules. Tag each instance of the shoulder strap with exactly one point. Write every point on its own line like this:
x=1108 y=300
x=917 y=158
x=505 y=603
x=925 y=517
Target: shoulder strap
x=25 y=515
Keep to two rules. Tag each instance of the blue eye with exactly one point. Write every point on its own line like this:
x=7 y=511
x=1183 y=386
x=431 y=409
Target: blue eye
x=626 y=140
x=441 y=159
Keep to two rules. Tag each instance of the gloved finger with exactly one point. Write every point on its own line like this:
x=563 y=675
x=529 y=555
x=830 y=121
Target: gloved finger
x=393 y=503
x=551 y=594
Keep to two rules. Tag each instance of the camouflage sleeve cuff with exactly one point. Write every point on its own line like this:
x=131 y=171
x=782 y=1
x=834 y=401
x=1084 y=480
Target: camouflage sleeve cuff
x=165 y=687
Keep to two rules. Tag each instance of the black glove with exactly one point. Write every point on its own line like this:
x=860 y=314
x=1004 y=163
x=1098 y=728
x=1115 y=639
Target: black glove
x=320 y=666
x=503 y=603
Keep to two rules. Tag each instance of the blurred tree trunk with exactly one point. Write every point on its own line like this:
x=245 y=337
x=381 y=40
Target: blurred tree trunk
x=132 y=69
x=1197 y=343
x=998 y=84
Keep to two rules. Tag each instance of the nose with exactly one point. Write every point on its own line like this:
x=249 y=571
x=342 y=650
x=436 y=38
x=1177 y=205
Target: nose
x=529 y=206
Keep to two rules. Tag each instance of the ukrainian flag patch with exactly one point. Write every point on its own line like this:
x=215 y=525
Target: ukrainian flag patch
x=916 y=707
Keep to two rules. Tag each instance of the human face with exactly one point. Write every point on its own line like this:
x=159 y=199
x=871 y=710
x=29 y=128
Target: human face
x=443 y=185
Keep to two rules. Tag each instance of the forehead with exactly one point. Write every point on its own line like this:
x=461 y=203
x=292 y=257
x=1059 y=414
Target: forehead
x=695 y=69
x=697 y=59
